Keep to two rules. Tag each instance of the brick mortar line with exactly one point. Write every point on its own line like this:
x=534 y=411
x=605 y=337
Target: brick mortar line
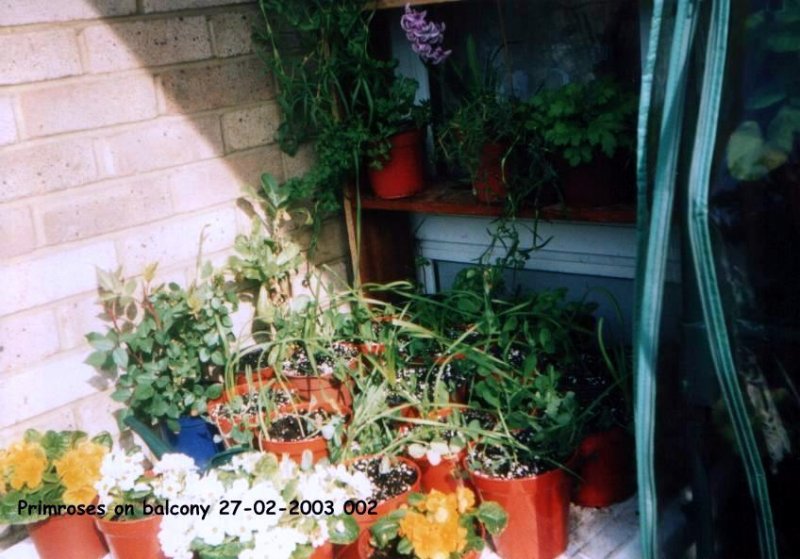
x=139 y=15
x=101 y=132
x=150 y=71
x=110 y=181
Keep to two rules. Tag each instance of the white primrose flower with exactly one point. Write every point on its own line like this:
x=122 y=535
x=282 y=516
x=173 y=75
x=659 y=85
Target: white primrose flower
x=328 y=431
x=211 y=529
x=287 y=469
x=416 y=450
x=433 y=457
x=174 y=463
x=278 y=543
x=176 y=535
x=265 y=492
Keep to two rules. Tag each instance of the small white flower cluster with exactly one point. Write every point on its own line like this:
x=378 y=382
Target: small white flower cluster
x=174 y=473
x=254 y=479
x=120 y=473
x=434 y=451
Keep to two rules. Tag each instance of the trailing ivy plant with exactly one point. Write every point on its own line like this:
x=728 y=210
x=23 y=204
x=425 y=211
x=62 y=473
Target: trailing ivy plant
x=164 y=344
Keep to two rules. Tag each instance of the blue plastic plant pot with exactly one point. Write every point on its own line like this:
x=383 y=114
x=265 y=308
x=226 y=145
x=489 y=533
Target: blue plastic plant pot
x=195 y=439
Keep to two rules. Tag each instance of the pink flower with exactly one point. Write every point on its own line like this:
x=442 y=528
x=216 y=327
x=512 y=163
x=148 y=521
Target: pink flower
x=425 y=36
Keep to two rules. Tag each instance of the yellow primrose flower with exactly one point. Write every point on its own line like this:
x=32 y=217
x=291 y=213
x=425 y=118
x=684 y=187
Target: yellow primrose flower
x=465 y=498
x=81 y=495
x=435 y=535
x=27 y=462
x=80 y=466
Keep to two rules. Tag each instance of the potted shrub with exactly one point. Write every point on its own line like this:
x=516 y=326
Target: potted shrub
x=164 y=349
x=589 y=128
x=434 y=525
x=302 y=428
x=520 y=464
x=58 y=471
x=127 y=487
x=283 y=511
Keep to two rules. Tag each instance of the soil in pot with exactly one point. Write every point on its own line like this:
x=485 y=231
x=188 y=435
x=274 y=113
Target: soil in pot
x=256 y=361
x=403 y=173
x=238 y=411
x=132 y=539
x=67 y=537
x=536 y=498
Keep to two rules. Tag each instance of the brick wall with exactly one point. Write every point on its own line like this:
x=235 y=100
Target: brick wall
x=126 y=127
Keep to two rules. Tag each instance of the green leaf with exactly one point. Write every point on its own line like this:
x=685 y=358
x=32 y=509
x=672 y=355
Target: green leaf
x=214 y=391
x=404 y=547
x=143 y=392
x=97 y=359
x=120 y=357
x=350 y=530
x=493 y=517
x=121 y=394
x=100 y=342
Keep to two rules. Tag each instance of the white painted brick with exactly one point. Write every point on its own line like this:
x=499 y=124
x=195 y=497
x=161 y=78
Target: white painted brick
x=61 y=419
x=232 y=31
x=17 y=233
x=332 y=241
x=45 y=279
x=197 y=88
x=77 y=318
x=106 y=208
x=213 y=182
x=168 y=5
x=8 y=126
x=44 y=167
x=42 y=55
x=251 y=127
x=47 y=386
x=18 y=12
x=137 y=44
x=95 y=414
x=86 y=105
x=177 y=240
x=159 y=143
x=26 y=339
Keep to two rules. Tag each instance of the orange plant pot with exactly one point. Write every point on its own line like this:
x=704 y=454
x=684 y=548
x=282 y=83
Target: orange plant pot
x=324 y=389
x=318 y=446
x=538 y=513
x=323 y=552
x=259 y=376
x=403 y=173
x=605 y=467
x=489 y=186
x=67 y=537
x=132 y=539
x=444 y=476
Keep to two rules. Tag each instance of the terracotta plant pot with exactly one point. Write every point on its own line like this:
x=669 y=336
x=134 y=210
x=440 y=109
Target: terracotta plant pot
x=489 y=186
x=538 y=513
x=403 y=173
x=318 y=446
x=325 y=551
x=259 y=376
x=605 y=466
x=445 y=476
x=132 y=539
x=365 y=549
x=324 y=389
x=67 y=537
x=384 y=507
x=225 y=424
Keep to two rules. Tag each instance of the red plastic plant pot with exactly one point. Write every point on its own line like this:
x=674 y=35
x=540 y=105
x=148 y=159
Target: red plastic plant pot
x=318 y=446
x=324 y=551
x=605 y=466
x=259 y=376
x=444 y=476
x=489 y=186
x=67 y=537
x=323 y=389
x=538 y=513
x=132 y=539
x=403 y=173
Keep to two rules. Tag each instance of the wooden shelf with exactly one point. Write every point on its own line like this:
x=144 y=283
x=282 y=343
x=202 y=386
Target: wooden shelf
x=455 y=199
x=386 y=4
